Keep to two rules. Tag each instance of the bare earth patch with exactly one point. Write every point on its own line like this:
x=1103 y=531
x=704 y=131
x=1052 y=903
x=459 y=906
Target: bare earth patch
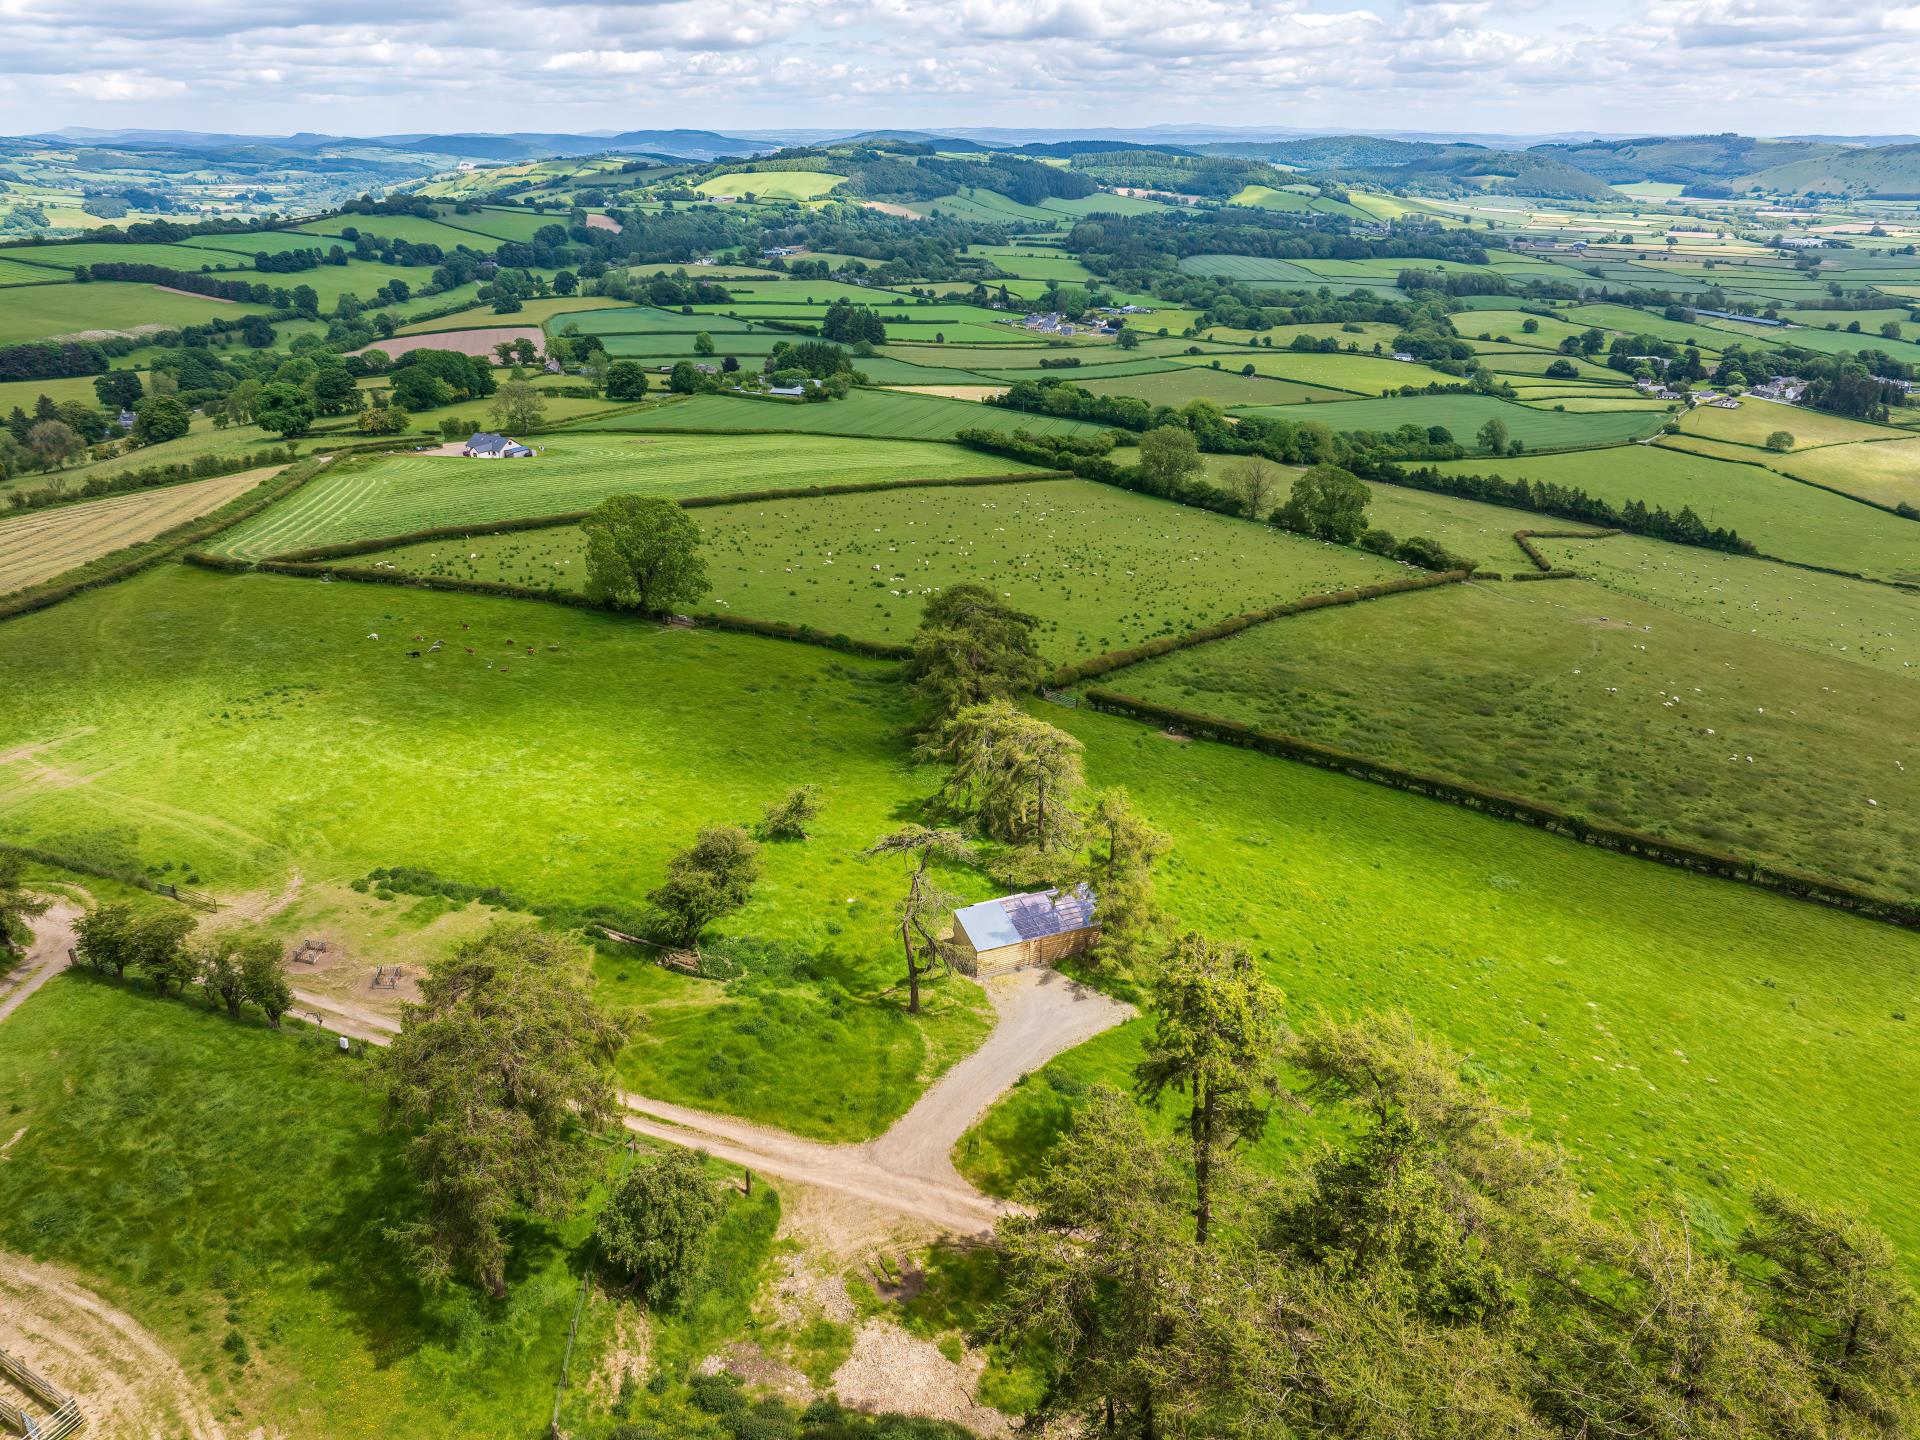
x=463 y=342
x=952 y=392
x=891 y=1370
x=127 y=1384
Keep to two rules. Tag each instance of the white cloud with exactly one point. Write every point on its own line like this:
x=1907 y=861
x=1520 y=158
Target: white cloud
x=1766 y=66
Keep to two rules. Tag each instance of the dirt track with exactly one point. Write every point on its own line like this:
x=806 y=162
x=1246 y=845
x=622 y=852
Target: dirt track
x=907 y=1172
x=129 y=1387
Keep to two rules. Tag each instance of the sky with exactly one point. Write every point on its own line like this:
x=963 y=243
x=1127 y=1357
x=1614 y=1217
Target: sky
x=1766 y=67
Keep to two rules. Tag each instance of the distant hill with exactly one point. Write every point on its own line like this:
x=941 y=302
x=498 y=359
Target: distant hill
x=1419 y=164
x=1696 y=160
x=1887 y=171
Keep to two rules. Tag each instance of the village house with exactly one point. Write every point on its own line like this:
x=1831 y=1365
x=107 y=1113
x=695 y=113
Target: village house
x=1017 y=932
x=485 y=445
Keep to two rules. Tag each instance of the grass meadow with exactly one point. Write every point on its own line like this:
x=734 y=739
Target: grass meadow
x=35 y=312
x=255 y=725
x=1585 y=698
x=1682 y=1039
x=1781 y=516
x=1104 y=567
x=877 y=414
x=219 y=1180
x=398 y=494
x=1463 y=415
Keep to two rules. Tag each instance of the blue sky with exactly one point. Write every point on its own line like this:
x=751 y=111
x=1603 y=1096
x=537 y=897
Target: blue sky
x=1517 y=66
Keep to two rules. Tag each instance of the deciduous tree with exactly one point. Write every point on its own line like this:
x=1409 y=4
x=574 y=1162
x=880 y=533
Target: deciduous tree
x=643 y=553
x=710 y=878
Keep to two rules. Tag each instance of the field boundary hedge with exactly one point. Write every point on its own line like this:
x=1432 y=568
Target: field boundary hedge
x=1539 y=814
x=743 y=624
x=135 y=558
x=1525 y=538
x=346 y=548
x=1166 y=644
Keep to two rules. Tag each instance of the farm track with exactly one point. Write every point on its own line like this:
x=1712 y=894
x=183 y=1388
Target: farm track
x=907 y=1172
x=128 y=1386
x=42 y=544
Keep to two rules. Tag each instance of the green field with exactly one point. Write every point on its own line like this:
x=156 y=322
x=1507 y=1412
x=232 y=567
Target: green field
x=398 y=494
x=217 y=1178
x=1360 y=374
x=1868 y=624
x=1574 y=695
x=1780 y=516
x=1225 y=387
x=296 y=738
x=1887 y=473
x=1105 y=567
x=34 y=312
x=1463 y=415
x=1755 y=420
x=602 y=752
x=879 y=414
x=772 y=184
x=13 y=272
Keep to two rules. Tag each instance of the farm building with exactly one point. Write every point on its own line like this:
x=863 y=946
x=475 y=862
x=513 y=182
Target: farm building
x=487 y=446
x=1018 y=931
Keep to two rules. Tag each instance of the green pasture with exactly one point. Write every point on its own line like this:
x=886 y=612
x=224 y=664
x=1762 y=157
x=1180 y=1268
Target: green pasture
x=1629 y=321
x=291 y=736
x=1563 y=692
x=1682 y=1039
x=1873 y=625
x=1465 y=414
x=504 y=223
x=1225 y=387
x=1576 y=403
x=35 y=312
x=242 y=725
x=1886 y=472
x=772 y=184
x=201 y=440
x=217 y=1179
x=641 y=320
x=1755 y=420
x=880 y=414
x=1369 y=375
x=1103 y=567
x=531 y=312
x=1026 y=263
x=414 y=229
x=1780 y=516
x=398 y=494
x=68 y=254
x=13 y=272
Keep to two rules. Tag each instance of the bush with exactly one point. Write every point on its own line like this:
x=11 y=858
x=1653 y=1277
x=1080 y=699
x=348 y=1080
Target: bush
x=788 y=819
x=654 y=1227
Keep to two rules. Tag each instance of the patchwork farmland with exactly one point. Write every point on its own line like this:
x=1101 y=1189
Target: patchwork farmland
x=1452 y=613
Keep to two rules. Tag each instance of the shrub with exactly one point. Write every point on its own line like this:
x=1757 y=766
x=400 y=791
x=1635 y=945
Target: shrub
x=654 y=1227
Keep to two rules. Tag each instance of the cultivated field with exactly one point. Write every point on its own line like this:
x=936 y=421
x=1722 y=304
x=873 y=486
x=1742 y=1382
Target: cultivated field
x=464 y=342
x=398 y=494
x=772 y=184
x=42 y=544
x=34 y=312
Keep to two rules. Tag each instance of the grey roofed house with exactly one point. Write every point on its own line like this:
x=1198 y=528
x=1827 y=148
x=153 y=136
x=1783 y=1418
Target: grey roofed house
x=1015 y=931
x=485 y=445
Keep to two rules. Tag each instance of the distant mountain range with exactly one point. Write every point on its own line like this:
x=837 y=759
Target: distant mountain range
x=1581 y=165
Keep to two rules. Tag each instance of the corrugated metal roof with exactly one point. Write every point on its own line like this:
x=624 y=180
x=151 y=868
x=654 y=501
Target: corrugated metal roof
x=1013 y=918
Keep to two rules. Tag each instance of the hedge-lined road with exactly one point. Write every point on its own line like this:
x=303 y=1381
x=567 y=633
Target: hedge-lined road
x=907 y=1171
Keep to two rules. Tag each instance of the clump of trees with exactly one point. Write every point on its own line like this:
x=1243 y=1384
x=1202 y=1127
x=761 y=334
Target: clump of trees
x=232 y=968
x=971 y=648
x=500 y=1076
x=1428 y=1270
